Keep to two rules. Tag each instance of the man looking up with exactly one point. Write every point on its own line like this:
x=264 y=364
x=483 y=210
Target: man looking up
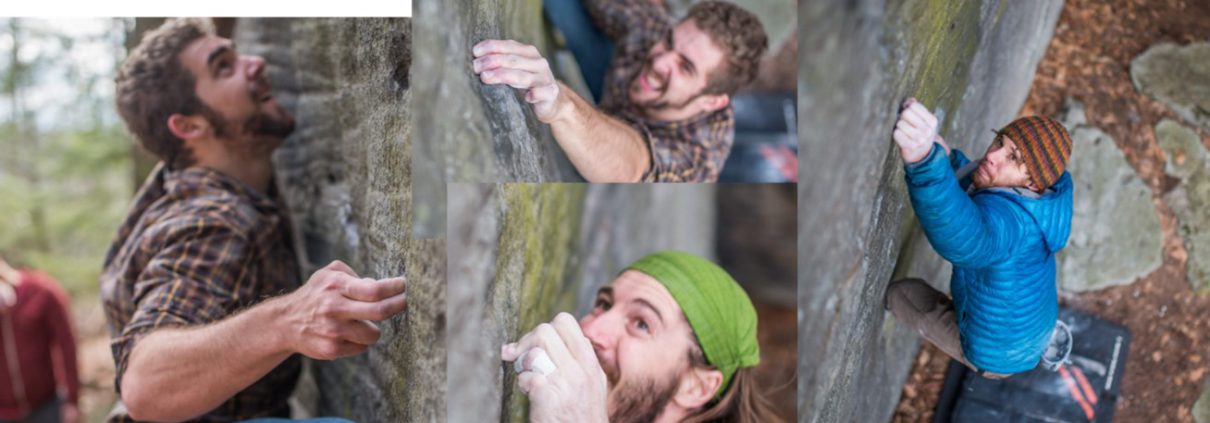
x=999 y=221
x=201 y=286
x=671 y=339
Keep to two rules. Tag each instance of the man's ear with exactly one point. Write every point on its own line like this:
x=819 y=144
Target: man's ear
x=714 y=102
x=188 y=127
x=698 y=386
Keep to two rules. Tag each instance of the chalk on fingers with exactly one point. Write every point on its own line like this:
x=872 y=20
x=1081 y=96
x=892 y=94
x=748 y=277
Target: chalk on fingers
x=539 y=362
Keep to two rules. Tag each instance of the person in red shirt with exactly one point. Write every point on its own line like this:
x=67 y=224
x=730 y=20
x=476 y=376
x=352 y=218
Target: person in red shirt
x=38 y=380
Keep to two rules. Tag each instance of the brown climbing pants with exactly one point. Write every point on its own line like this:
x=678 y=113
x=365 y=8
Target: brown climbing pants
x=931 y=314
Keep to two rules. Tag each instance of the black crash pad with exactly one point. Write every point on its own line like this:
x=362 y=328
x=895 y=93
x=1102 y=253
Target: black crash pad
x=1084 y=389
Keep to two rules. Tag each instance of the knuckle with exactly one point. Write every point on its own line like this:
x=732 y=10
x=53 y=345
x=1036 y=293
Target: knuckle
x=382 y=311
x=327 y=308
x=544 y=330
x=329 y=332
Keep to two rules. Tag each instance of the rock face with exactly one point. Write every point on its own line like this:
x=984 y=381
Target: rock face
x=521 y=253
x=1178 y=76
x=1115 y=230
x=346 y=174
x=971 y=62
x=1189 y=162
x=468 y=131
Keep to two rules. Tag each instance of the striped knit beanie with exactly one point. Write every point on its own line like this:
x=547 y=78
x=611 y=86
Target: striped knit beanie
x=1044 y=145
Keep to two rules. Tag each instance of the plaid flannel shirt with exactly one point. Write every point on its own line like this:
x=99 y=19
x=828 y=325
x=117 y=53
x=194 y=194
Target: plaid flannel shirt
x=691 y=150
x=196 y=247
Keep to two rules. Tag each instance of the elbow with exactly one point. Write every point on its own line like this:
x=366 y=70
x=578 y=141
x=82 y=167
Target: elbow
x=142 y=405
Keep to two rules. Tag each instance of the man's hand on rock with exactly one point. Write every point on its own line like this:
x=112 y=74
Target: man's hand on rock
x=575 y=389
x=916 y=132
x=331 y=315
x=520 y=66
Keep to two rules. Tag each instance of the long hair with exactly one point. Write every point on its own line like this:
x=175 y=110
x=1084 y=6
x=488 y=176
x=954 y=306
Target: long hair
x=743 y=402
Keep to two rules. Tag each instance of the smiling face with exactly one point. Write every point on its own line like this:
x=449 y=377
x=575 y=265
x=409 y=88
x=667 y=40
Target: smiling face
x=643 y=342
x=670 y=84
x=237 y=98
x=1002 y=166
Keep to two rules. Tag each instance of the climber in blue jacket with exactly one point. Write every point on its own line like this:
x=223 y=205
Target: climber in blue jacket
x=999 y=221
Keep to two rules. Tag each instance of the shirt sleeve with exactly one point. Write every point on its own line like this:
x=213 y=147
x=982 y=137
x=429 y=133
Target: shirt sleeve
x=195 y=277
x=617 y=18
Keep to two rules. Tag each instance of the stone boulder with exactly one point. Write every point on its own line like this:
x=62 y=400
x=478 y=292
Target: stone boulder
x=1189 y=162
x=345 y=173
x=1178 y=76
x=1115 y=230
x=1201 y=408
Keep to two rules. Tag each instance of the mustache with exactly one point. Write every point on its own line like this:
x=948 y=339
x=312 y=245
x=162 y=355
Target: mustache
x=260 y=88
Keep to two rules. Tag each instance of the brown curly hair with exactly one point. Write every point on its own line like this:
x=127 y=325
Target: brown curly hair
x=152 y=85
x=741 y=37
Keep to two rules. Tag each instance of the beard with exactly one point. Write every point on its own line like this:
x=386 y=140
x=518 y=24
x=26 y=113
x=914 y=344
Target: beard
x=640 y=400
x=978 y=180
x=261 y=124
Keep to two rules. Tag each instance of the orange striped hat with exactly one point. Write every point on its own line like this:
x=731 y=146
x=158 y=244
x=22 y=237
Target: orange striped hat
x=1045 y=147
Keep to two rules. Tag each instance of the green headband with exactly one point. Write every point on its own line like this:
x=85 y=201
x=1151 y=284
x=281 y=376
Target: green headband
x=718 y=309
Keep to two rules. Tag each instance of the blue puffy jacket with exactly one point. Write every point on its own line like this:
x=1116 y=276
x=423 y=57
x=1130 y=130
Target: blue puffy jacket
x=1002 y=245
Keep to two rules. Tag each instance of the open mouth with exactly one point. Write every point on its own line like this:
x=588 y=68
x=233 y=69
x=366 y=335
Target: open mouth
x=262 y=92
x=649 y=82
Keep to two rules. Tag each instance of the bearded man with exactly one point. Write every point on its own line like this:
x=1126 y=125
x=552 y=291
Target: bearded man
x=201 y=287
x=671 y=339
x=665 y=114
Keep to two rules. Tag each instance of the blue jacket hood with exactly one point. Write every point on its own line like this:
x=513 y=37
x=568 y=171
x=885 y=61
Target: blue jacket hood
x=1051 y=211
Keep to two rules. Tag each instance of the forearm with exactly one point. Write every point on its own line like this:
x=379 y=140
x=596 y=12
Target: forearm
x=602 y=148
x=175 y=374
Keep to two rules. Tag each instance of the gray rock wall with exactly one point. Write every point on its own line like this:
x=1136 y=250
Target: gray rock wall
x=346 y=175
x=468 y=131
x=521 y=253
x=970 y=61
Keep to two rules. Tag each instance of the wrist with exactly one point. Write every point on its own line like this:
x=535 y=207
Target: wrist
x=923 y=157
x=274 y=316
x=915 y=156
x=564 y=108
